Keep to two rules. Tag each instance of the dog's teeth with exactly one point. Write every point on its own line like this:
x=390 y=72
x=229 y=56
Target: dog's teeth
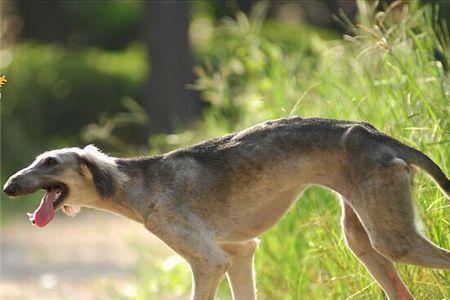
x=30 y=215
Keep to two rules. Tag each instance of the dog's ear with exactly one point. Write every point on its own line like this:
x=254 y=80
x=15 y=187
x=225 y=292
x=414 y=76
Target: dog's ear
x=101 y=177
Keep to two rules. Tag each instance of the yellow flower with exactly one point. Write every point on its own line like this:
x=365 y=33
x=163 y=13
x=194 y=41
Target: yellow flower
x=2 y=80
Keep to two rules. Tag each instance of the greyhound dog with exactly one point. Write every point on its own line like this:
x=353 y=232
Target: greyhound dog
x=211 y=201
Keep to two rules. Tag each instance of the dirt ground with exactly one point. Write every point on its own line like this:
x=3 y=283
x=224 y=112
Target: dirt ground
x=71 y=258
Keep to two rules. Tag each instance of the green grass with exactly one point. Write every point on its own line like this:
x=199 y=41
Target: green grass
x=385 y=74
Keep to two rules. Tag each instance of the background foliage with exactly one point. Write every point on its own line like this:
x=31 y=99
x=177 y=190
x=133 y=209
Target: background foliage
x=390 y=70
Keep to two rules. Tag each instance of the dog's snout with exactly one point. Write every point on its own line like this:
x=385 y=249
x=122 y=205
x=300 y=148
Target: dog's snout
x=11 y=189
x=22 y=183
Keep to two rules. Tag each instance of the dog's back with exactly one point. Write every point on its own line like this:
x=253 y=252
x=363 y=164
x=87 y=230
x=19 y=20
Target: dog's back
x=268 y=165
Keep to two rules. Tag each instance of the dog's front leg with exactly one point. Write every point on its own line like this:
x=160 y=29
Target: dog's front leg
x=187 y=234
x=241 y=274
x=207 y=272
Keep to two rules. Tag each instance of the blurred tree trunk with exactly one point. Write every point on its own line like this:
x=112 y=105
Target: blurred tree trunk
x=167 y=100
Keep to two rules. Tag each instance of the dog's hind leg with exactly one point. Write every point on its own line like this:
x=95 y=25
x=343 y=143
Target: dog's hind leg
x=384 y=206
x=241 y=275
x=381 y=269
x=190 y=237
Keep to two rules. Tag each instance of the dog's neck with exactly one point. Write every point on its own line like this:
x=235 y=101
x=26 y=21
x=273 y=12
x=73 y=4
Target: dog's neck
x=121 y=204
x=133 y=196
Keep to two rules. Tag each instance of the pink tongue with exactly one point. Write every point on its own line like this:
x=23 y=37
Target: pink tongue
x=45 y=212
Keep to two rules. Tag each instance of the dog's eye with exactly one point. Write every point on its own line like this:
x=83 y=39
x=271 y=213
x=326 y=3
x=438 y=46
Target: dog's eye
x=49 y=162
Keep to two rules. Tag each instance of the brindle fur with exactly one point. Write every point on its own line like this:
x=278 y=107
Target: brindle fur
x=209 y=202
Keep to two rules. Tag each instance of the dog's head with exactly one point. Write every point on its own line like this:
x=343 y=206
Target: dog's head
x=71 y=177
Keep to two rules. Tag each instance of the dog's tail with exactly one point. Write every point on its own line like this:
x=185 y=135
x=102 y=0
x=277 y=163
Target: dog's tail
x=420 y=159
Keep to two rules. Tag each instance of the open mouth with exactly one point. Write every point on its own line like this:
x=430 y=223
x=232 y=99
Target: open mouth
x=51 y=201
